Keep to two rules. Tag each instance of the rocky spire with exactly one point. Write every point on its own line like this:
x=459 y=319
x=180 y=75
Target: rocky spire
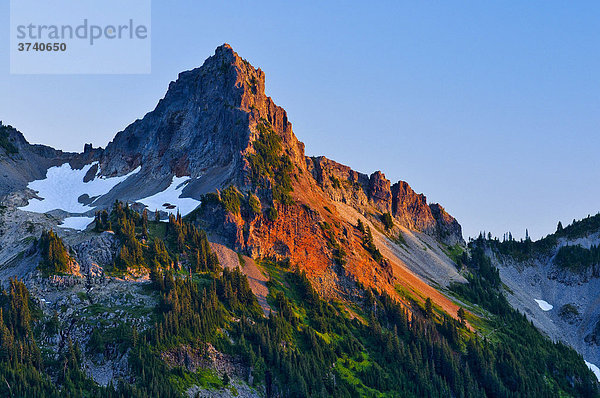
x=206 y=122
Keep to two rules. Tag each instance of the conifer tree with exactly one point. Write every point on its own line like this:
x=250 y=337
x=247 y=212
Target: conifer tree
x=461 y=315
x=428 y=308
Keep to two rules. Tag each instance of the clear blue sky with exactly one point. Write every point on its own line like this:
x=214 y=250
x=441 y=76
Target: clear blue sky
x=490 y=108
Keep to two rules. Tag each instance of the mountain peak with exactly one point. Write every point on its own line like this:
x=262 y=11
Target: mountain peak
x=225 y=46
x=226 y=73
x=203 y=128
x=227 y=63
x=225 y=50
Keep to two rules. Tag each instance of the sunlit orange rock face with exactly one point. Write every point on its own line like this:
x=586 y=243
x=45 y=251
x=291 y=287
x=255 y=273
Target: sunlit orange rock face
x=411 y=209
x=313 y=229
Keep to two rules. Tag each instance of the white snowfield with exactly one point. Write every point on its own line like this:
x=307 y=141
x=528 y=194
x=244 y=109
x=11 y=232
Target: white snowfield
x=169 y=200
x=545 y=306
x=78 y=223
x=63 y=186
x=594 y=369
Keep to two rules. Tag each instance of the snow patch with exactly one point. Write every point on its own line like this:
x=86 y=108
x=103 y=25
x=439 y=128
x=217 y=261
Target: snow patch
x=63 y=186
x=169 y=200
x=78 y=223
x=594 y=369
x=545 y=306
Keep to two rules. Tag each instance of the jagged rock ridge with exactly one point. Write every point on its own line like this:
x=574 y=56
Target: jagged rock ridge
x=409 y=208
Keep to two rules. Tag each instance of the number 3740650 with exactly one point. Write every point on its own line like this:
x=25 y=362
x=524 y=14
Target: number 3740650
x=42 y=47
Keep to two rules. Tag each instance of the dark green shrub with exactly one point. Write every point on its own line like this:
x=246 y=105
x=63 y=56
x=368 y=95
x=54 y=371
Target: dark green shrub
x=270 y=168
x=335 y=182
x=231 y=199
x=387 y=220
x=5 y=143
x=272 y=214
x=577 y=258
x=568 y=310
x=55 y=258
x=254 y=204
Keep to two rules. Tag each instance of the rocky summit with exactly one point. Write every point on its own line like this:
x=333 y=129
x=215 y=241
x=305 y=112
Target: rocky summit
x=203 y=254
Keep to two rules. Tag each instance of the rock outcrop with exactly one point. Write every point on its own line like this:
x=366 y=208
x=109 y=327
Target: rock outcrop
x=21 y=162
x=380 y=192
x=411 y=208
x=448 y=229
x=340 y=182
